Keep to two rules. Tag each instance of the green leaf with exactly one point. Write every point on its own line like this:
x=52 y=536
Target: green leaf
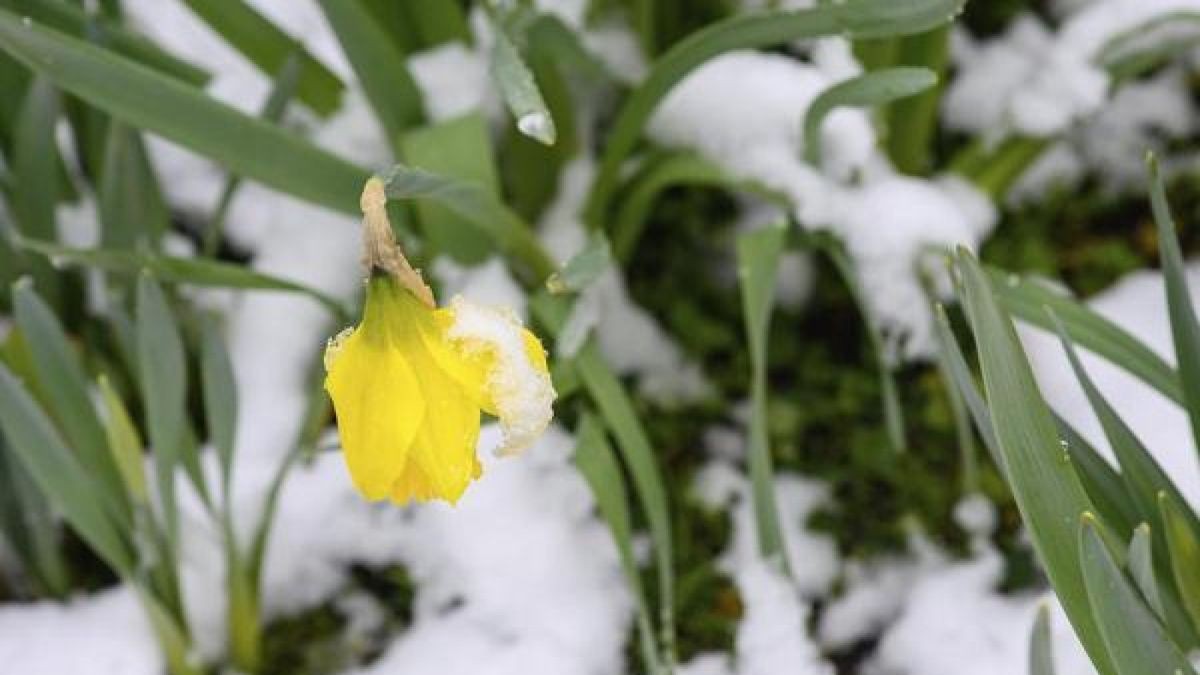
x=1185 y=330
x=267 y=46
x=132 y=208
x=58 y=473
x=1045 y=485
x=149 y=100
x=869 y=89
x=125 y=443
x=220 y=399
x=758 y=258
x=892 y=412
x=162 y=374
x=1028 y=299
x=459 y=149
x=912 y=122
x=1041 y=644
x=620 y=416
x=659 y=173
x=70 y=19
x=381 y=69
x=516 y=83
x=30 y=529
x=34 y=170
x=61 y=379
x=1134 y=639
x=1105 y=487
x=596 y=461
x=1141 y=567
x=964 y=382
x=482 y=208
x=193 y=271
x=856 y=19
x=1141 y=472
x=1177 y=521
x=583 y=268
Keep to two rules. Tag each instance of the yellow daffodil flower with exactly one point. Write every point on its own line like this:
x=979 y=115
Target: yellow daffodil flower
x=408 y=384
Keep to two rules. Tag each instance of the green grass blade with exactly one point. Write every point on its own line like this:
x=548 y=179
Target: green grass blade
x=220 y=399
x=1041 y=644
x=381 y=69
x=66 y=484
x=1184 y=549
x=149 y=100
x=1148 y=45
x=162 y=374
x=193 y=271
x=481 y=207
x=855 y=18
x=872 y=88
x=269 y=48
x=1045 y=485
x=1028 y=299
x=1185 y=330
x=1133 y=637
x=62 y=381
x=68 y=18
x=596 y=461
x=515 y=81
x=459 y=149
x=758 y=258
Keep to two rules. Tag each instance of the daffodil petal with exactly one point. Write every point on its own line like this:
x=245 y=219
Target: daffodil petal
x=379 y=407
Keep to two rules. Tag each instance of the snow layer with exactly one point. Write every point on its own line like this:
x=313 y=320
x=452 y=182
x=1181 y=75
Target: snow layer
x=1037 y=82
x=744 y=111
x=104 y=634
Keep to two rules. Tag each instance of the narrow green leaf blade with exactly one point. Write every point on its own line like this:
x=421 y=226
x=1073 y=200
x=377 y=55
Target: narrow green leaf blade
x=758 y=258
x=1028 y=299
x=1041 y=645
x=149 y=100
x=265 y=45
x=220 y=398
x=872 y=88
x=162 y=374
x=1185 y=329
x=1184 y=551
x=61 y=379
x=1046 y=488
x=380 y=68
x=33 y=439
x=1141 y=567
x=1134 y=639
x=598 y=464
x=517 y=85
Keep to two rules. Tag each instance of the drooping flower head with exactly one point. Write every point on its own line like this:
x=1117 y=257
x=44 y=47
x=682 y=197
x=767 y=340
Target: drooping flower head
x=410 y=381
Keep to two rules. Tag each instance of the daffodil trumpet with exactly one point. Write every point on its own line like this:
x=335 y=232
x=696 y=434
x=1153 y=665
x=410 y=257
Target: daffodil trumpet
x=410 y=382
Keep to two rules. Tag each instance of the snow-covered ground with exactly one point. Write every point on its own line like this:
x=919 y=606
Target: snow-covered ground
x=522 y=577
